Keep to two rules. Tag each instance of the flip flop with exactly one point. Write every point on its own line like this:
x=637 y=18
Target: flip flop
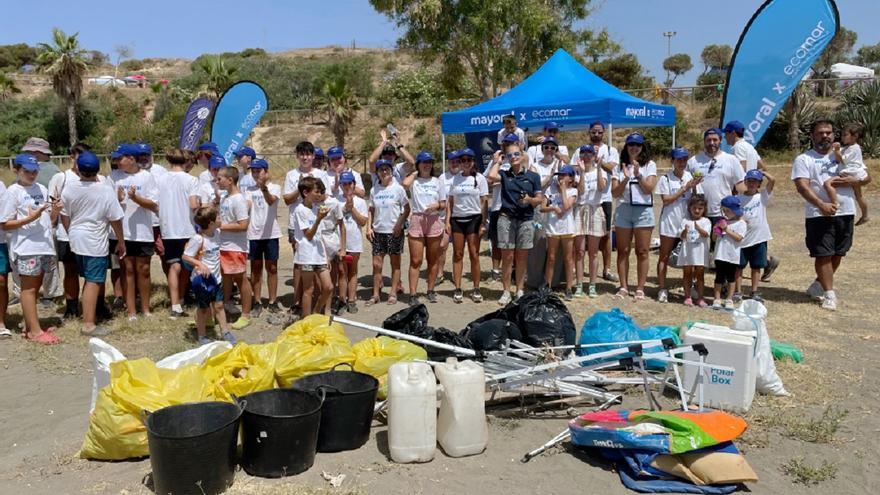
x=45 y=338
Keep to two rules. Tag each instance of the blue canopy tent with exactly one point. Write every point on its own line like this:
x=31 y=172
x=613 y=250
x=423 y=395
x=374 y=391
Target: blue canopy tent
x=563 y=91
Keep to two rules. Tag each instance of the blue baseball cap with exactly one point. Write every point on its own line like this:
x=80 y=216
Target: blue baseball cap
x=204 y=286
x=713 y=130
x=549 y=126
x=217 y=161
x=550 y=140
x=128 y=149
x=27 y=162
x=755 y=174
x=735 y=126
x=259 y=163
x=678 y=153
x=453 y=155
x=88 y=162
x=336 y=152
x=467 y=152
x=635 y=138
x=587 y=148
x=143 y=149
x=246 y=151
x=734 y=204
x=209 y=146
x=382 y=163
x=117 y=153
x=424 y=156
x=511 y=138
x=346 y=178
x=319 y=152
x=566 y=170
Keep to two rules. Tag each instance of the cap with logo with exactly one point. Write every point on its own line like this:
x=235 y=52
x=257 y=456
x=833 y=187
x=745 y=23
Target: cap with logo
x=389 y=149
x=550 y=140
x=635 y=138
x=453 y=155
x=143 y=149
x=216 y=161
x=734 y=204
x=209 y=146
x=117 y=153
x=88 y=162
x=511 y=138
x=319 y=153
x=383 y=163
x=755 y=174
x=336 y=152
x=424 y=156
x=566 y=170
x=27 y=162
x=466 y=152
x=246 y=151
x=259 y=163
x=346 y=178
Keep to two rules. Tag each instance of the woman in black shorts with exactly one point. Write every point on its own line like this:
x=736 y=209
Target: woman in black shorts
x=467 y=202
x=389 y=209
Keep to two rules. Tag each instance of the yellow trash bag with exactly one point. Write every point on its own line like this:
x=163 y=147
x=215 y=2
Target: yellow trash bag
x=309 y=324
x=116 y=428
x=319 y=350
x=242 y=370
x=374 y=357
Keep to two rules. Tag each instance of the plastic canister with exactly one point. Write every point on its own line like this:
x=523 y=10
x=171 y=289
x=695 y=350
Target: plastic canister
x=412 y=412
x=461 y=426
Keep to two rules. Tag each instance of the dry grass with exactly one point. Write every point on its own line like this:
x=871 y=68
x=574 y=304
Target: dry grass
x=804 y=473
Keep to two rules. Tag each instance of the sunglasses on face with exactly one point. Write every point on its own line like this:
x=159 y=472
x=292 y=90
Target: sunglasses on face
x=550 y=147
x=597 y=133
x=465 y=160
x=514 y=154
x=634 y=145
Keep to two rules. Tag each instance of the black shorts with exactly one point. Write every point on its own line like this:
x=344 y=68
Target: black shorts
x=387 y=244
x=173 y=250
x=140 y=249
x=65 y=255
x=725 y=273
x=829 y=236
x=467 y=225
x=263 y=249
x=493 y=227
x=606 y=209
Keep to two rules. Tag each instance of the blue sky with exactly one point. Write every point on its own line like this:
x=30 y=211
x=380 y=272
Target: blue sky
x=187 y=28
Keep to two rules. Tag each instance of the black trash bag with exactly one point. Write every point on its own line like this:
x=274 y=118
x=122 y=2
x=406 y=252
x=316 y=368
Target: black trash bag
x=445 y=336
x=543 y=319
x=490 y=334
x=412 y=320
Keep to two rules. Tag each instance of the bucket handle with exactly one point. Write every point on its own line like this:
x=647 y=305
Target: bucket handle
x=350 y=366
x=324 y=388
x=241 y=403
x=144 y=415
x=323 y=393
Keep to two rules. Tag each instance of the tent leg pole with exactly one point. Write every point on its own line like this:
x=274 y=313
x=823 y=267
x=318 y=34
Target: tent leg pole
x=673 y=136
x=443 y=150
x=610 y=135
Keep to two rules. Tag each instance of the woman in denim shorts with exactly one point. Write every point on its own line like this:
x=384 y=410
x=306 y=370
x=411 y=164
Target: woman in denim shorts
x=632 y=183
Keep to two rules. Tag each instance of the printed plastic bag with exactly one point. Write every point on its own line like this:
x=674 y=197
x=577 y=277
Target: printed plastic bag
x=242 y=370
x=615 y=326
x=319 y=350
x=750 y=316
x=374 y=357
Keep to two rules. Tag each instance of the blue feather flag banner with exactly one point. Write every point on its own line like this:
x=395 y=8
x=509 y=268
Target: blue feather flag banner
x=774 y=53
x=238 y=112
x=194 y=122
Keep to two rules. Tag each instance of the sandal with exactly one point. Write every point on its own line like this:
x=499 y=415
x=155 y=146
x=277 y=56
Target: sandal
x=391 y=300
x=45 y=338
x=639 y=295
x=622 y=293
x=371 y=301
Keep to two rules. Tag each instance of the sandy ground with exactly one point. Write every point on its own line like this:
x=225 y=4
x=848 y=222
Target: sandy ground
x=47 y=392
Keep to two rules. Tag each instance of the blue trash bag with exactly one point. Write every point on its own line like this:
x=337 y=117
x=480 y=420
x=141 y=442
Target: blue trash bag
x=616 y=326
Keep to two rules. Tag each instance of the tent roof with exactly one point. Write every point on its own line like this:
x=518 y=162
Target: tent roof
x=562 y=91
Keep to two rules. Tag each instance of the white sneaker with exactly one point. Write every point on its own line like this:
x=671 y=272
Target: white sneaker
x=829 y=302
x=504 y=299
x=663 y=296
x=717 y=304
x=728 y=304
x=816 y=291
x=520 y=293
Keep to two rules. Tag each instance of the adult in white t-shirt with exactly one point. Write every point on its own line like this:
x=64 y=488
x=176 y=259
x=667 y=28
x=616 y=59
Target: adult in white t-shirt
x=721 y=172
x=389 y=209
x=740 y=148
x=138 y=192
x=510 y=127
x=178 y=201
x=467 y=220
x=57 y=184
x=263 y=233
x=675 y=189
x=536 y=152
x=829 y=227
x=632 y=183
x=389 y=148
x=426 y=226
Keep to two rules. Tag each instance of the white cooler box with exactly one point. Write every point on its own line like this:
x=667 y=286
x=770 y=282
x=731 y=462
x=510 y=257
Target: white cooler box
x=728 y=390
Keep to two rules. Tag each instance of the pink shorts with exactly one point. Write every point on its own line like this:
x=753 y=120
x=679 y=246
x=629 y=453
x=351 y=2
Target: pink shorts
x=233 y=262
x=421 y=225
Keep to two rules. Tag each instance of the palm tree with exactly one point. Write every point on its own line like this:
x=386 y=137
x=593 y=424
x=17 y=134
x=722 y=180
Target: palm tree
x=341 y=105
x=220 y=76
x=65 y=61
x=7 y=87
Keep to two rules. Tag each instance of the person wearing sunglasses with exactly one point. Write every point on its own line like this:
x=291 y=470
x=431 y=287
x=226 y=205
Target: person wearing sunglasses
x=721 y=172
x=633 y=184
x=551 y=130
x=520 y=194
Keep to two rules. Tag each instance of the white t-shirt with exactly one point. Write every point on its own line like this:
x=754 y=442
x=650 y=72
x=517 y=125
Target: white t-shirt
x=536 y=152
x=495 y=202
x=138 y=222
x=519 y=133
x=264 y=218
x=606 y=155
x=398 y=172
x=308 y=252
x=56 y=187
x=91 y=206
x=205 y=177
x=34 y=238
x=755 y=215
x=745 y=152
x=560 y=224
x=694 y=248
x=726 y=172
x=818 y=169
x=246 y=181
x=425 y=192
x=447 y=178
x=2 y=197
x=387 y=204
x=207 y=250
x=672 y=215
x=592 y=195
x=329 y=230
x=234 y=208
x=467 y=193
x=853 y=164
x=175 y=215
x=157 y=171
x=291 y=183
x=727 y=249
x=358 y=183
x=354 y=239
x=208 y=191
x=545 y=170
x=647 y=170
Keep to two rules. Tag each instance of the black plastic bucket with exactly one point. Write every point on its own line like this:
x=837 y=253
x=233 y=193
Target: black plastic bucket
x=193 y=447
x=348 y=407
x=279 y=430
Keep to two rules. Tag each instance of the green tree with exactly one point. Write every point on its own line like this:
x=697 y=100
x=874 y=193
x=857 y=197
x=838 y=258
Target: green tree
x=219 y=75
x=64 y=60
x=860 y=104
x=7 y=87
x=838 y=50
x=598 y=45
x=676 y=65
x=714 y=85
x=340 y=104
x=868 y=56
x=492 y=41
x=623 y=71
x=13 y=57
x=716 y=58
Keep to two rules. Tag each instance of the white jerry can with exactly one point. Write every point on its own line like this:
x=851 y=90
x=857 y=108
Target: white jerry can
x=412 y=412
x=461 y=427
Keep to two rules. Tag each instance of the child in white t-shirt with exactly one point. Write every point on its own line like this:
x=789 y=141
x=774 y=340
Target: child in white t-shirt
x=27 y=215
x=202 y=252
x=729 y=233
x=210 y=193
x=694 y=255
x=263 y=234
x=355 y=214
x=754 y=245
x=234 y=222
x=561 y=198
x=849 y=156
x=311 y=256
x=332 y=232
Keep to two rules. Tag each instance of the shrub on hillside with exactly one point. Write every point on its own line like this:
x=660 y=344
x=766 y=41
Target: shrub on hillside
x=419 y=91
